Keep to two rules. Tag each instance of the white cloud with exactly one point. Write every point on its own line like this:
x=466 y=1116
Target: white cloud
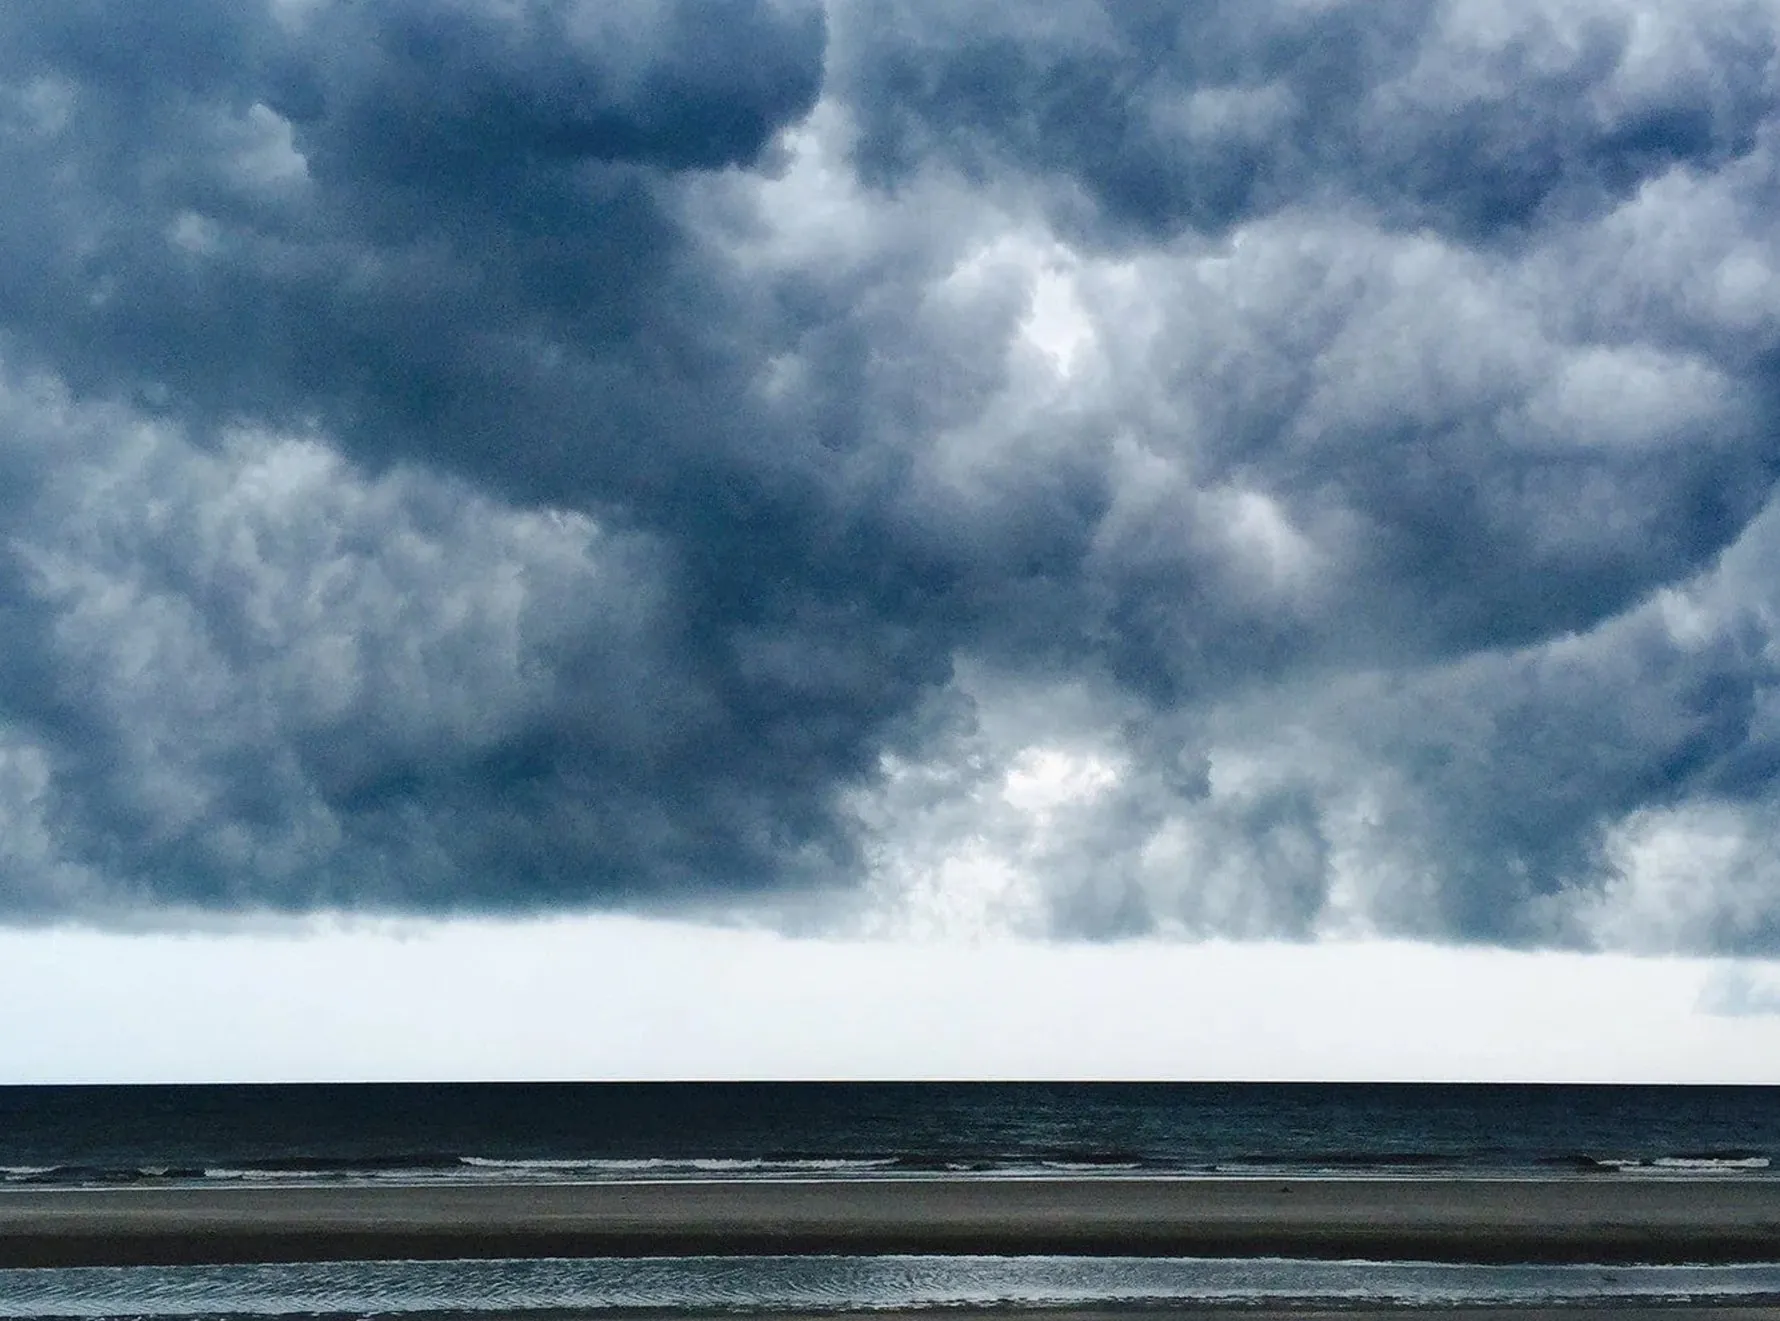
x=1742 y=990
x=1697 y=876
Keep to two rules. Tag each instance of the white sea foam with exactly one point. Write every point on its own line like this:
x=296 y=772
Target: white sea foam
x=670 y=1166
x=1690 y=1165
x=491 y=1169
x=1088 y=1167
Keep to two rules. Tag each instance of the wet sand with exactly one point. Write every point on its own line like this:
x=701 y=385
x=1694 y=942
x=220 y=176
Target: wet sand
x=1559 y=1220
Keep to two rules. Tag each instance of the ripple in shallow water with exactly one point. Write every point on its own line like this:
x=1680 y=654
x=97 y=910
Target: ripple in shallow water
x=832 y=1284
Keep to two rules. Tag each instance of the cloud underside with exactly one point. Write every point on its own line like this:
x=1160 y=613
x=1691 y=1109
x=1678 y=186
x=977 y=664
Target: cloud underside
x=1255 y=469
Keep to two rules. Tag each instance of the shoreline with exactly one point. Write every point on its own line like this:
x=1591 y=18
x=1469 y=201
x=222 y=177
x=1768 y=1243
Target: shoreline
x=1494 y=1221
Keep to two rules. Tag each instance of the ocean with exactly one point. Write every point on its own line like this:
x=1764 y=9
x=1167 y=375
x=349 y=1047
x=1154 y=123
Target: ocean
x=271 y=1136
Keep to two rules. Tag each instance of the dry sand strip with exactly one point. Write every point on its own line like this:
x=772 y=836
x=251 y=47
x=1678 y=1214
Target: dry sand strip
x=1617 y=1309
x=1560 y=1220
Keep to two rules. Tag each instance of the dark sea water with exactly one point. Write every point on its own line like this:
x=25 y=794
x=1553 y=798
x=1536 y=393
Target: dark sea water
x=426 y=1133
x=414 y=1132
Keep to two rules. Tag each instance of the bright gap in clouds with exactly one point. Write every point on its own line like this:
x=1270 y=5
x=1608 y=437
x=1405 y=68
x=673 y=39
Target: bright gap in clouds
x=625 y=998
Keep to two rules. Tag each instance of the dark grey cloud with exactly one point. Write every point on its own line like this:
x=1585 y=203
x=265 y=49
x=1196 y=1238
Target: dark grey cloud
x=1158 y=118
x=1259 y=469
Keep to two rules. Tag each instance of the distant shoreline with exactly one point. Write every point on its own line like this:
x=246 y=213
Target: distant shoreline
x=1487 y=1221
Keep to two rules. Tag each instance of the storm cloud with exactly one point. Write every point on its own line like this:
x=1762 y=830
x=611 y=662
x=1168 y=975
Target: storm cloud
x=1263 y=469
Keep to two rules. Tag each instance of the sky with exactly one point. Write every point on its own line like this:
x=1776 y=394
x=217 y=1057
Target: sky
x=1273 y=494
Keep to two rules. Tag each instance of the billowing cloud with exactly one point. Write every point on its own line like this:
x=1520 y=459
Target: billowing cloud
x=1144 y=121
x=1258 y=469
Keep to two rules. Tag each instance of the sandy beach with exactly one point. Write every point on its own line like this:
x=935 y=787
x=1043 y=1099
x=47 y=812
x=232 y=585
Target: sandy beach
x=1490 y=1221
